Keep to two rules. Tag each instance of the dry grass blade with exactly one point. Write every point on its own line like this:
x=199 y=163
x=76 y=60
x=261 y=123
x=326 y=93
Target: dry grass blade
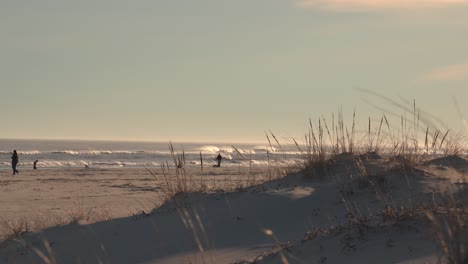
x=239 y=153
x=451 y=232
x=49 y=258
x=274 y=137
x=443 y=138
x=278 y=243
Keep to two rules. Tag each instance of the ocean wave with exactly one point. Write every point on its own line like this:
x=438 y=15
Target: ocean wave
x=95 y=152
x=215 y=149
x=22 y=152
x=209 y=149
x=107 y=152
x=225 y=149
x=288 y=153
x=265 y=149
x=82 y=164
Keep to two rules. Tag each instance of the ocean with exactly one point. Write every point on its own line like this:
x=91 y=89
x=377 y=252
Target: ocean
x=118 y=154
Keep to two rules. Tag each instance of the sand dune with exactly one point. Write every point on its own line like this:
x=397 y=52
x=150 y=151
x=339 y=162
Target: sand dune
x=360 y=210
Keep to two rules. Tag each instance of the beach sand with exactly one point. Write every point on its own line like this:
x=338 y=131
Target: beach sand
x=108 y=193
x=362 y=209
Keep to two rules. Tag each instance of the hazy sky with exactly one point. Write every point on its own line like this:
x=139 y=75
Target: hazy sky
x=216 y=70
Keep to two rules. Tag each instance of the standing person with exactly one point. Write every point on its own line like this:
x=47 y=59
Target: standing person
x=219 y=158
x=35 y=164
x=14 y=162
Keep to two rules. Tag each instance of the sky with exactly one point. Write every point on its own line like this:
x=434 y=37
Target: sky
x=225 y=71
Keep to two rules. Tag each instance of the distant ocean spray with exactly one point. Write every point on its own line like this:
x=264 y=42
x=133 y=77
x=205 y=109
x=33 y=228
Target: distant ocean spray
x=109 y=154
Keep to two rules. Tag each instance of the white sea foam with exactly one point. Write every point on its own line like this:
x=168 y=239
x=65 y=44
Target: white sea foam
x=288 y=153
x=243 y=151
x=92 y=152
x=106 y=152
x=69 y=152
x=264 y=149
x=29 y=152
x=215 y=149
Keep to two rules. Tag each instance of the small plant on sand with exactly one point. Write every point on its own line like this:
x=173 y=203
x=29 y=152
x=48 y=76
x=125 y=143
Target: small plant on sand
x=175 y=178
x=396 y=216
x=14 y=229
x=177 y=182
x=80 y=212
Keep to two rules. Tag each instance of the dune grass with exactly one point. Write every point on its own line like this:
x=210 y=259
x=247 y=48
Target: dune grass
x=411 y=147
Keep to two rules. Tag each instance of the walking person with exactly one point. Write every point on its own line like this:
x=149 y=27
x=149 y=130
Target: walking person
x=14 y=162
x=219 y=158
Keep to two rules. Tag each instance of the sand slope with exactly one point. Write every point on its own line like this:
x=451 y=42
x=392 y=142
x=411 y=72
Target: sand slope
x=250 y=225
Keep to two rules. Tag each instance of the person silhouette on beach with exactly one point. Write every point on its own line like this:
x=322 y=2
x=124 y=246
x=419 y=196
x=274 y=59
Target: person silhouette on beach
x=14 y=162
x=35 y=164
x=219 y=158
